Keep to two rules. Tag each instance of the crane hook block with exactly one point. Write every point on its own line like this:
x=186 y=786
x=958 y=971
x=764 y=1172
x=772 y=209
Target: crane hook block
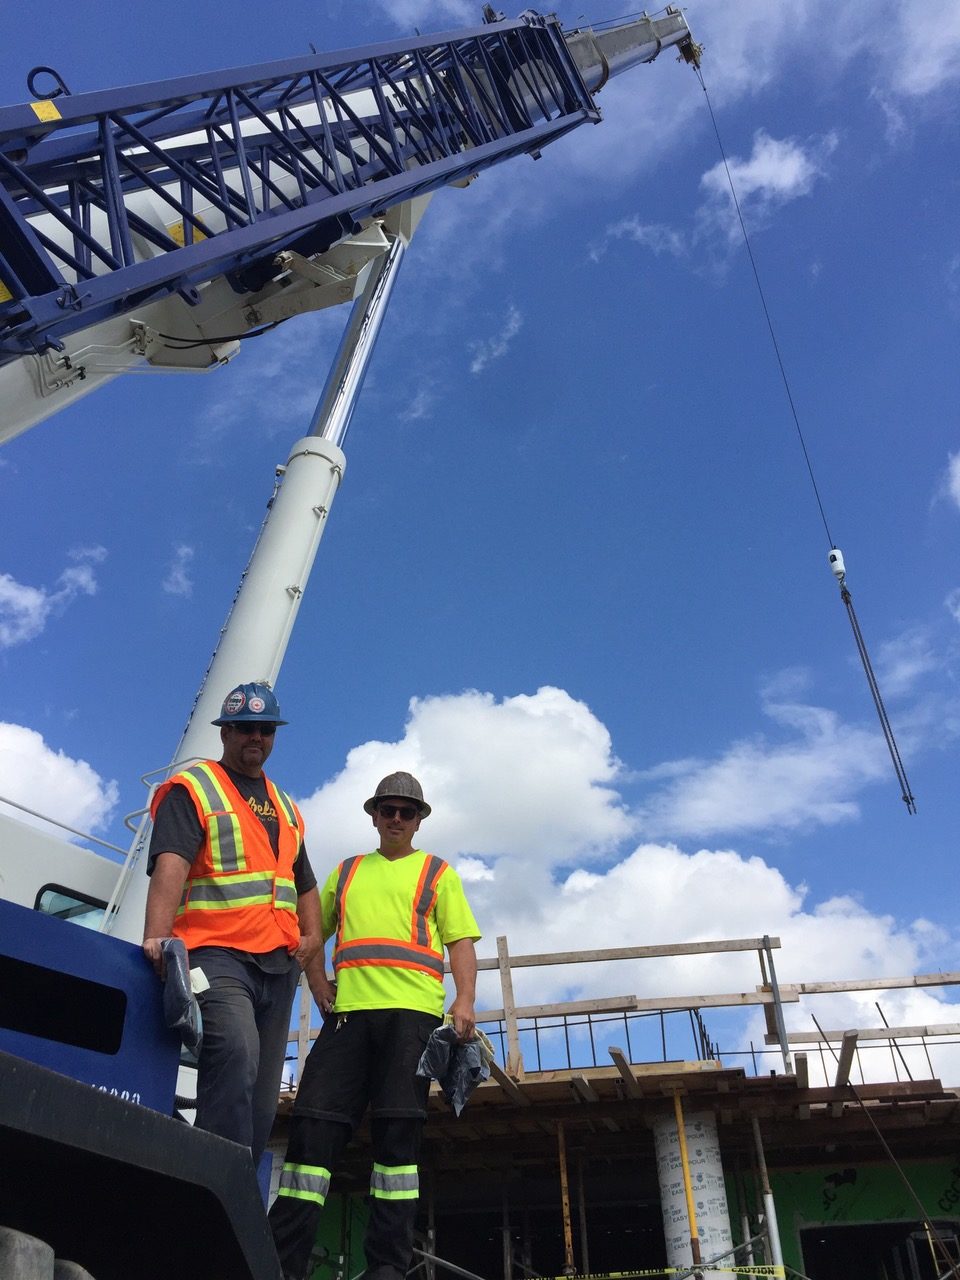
x=836 y=564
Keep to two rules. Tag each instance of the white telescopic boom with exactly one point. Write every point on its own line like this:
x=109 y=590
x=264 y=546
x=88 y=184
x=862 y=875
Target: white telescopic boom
x=255 y=636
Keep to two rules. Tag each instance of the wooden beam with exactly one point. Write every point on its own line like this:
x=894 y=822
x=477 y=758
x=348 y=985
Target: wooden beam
x=902 y=1091
x=873 y=984
x=631 y=953
x=800 y=1066
x=873 y=1033
x=847 y=1047
x=510 y=1087
x=514 y=1058
x=583 y=1087
x=631 y=1088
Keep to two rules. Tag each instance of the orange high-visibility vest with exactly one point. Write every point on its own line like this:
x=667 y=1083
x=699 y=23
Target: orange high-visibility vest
x=237 y=894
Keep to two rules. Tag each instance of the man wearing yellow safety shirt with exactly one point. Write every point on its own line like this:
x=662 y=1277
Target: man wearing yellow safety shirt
x=391 y=912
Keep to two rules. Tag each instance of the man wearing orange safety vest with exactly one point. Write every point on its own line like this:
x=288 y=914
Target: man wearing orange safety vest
x=391 y=913
x=229 y=875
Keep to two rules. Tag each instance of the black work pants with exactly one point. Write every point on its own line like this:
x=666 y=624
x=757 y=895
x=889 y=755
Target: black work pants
x=368 y=1057
x=318 y=1144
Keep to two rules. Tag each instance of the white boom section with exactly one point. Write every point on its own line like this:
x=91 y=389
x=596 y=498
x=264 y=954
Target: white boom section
x=255 y=637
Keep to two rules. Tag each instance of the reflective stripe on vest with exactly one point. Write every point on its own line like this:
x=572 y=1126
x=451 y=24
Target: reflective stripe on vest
x=433 y=868
x=392 y=952
x=395 y=1182
x=223 y=826
x=255 y=889
x=305 y=1182
x=286 y=805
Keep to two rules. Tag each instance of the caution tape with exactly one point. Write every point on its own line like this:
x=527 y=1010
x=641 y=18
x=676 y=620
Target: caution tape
x=758 y=1269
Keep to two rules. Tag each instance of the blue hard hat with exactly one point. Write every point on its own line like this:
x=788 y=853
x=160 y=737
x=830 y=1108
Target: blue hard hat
x=254 y=701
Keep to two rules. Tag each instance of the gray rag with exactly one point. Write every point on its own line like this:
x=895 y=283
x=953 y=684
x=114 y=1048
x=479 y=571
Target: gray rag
x=457 y=1068
x=180 y=1008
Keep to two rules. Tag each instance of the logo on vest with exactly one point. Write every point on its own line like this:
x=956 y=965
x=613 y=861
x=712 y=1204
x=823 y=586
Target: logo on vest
x=257 y=705
x=234 y=703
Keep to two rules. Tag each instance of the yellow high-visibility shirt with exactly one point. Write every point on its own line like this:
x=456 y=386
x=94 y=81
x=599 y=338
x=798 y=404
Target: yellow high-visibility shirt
x=397 y=916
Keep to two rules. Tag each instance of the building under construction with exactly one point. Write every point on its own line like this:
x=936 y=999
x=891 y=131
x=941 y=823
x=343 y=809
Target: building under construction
x=832 y=1153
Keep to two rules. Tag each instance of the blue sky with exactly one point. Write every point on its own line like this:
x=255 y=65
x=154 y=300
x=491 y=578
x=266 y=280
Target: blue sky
x=575 y=577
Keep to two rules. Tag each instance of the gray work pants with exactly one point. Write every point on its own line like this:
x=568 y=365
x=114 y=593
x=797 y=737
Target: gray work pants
x=246 y=1022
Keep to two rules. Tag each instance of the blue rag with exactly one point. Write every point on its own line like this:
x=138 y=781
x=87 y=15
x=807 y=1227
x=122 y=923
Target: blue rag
x=457 y=1068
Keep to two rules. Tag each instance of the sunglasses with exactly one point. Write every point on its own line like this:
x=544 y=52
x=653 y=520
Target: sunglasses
x=246 y=727
x=405 y=811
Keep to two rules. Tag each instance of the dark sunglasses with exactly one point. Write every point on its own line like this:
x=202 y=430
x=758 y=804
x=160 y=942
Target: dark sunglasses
x=405 y=811
x=246 y=727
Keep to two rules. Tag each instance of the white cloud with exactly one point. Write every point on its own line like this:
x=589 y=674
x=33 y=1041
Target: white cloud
x=777 y=171
x=903 y=661
x=811 y=777
x=178 y=581
x=923 y=53
x=51 y=782
x=25 y=610
x=951 y=483
x=90 y=555
x=484 y=351
x=527 y=807
x=472 y=870
x=952 y=603
x=653 y=236
x=413 y=13
x=893 y=114
x=419 y=407
x=531 y=776
x=952 y=275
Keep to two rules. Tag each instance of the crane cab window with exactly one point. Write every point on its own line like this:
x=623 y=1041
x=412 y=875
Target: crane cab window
x=70 y=904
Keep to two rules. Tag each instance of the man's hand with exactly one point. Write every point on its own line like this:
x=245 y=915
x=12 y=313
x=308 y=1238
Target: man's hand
x=153 y=950
x=311 y=945
x=464 y=1018
x=321 y=988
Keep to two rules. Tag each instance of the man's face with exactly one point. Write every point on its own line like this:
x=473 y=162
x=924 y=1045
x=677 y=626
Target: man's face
x=246 y=746
x=395 y=828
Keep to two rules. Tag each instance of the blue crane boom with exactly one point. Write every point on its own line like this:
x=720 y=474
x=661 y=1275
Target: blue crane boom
x=112 y=200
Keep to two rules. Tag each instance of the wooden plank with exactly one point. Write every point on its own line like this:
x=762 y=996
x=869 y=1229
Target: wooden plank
x=514 y=1059
x=872 y=1033
x=510 y=1087
x=873 y=984
x=678 y=1068
x=630 y=953
x=646 y=1004
x=303 y=1027
x=584 y=1089
x=801 y=1068
x=847 y=1047
x=901 y=1091
x=631 y=1088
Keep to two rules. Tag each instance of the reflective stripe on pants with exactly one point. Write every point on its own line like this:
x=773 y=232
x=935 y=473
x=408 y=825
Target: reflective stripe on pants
x=305 y=1182
x=395 y=1182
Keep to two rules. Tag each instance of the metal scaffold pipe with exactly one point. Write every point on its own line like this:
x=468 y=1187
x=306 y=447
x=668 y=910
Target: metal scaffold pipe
x=769 y=1208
